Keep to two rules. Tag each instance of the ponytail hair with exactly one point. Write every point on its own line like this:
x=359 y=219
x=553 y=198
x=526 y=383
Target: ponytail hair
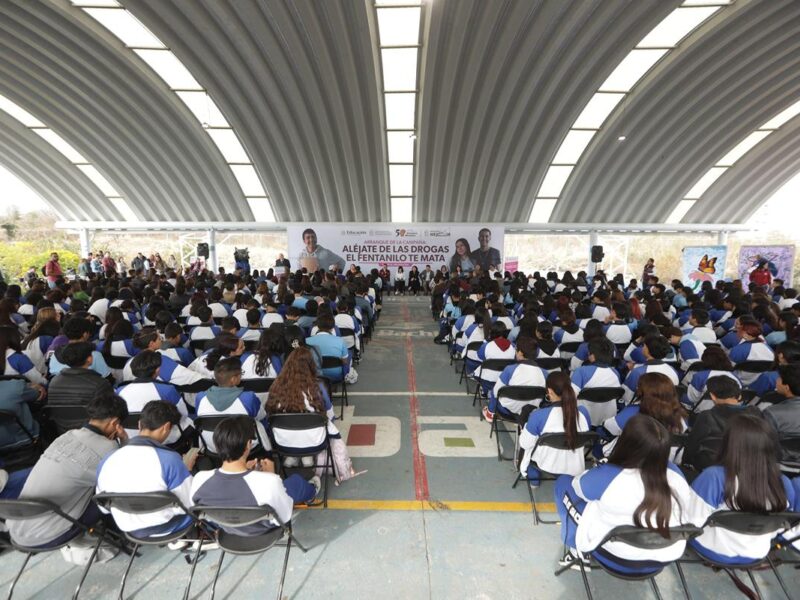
x=562 y=386
x=484 y=319
x=227 y=343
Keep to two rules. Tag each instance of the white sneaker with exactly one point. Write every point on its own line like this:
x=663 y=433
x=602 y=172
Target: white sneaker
x=573 y=558
x=291 y=461
x=178 y=545
x=307 y=461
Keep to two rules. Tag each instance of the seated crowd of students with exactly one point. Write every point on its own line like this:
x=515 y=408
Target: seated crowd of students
x=106 y=381
x=689 y=399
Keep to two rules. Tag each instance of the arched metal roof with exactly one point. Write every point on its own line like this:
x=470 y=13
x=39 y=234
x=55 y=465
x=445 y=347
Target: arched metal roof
x=500 y=85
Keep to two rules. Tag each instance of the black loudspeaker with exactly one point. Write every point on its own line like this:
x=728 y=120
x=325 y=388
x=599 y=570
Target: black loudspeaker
x=597 y=254
x=202 y=250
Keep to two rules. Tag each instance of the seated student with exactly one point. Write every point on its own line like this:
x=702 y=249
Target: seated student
x=230 y=325
x=569 y=332
x=600 y=306
x=271 y=315
x=227 y=346
x=598 y=373
x=16 y=363
x=227 y=398
x=618 y=325
x=546 y=346
x=787 y=322
x=461 y=325
x=219 y=309
x=306 y=321
x=78 y=329
x=16 y=396
x=240 y=314
x=66 y=473
x=690 y=350
x=496 y=347
x=242 y=482
x=36 y=343
x=172 y=345
x=715 y=364
x=785 y=415
x=252 y=330
x=76 y=384
x=146 y=367
x=705 y=438
x=266 y=360
x=785 y=353
x=592 y=330
x=345 y=320
x=562 y=415
x=637 y=486
x=144 y=464
x=657 y=399
x=171 y=371
x=206 y=329
x=656 y=347
x=748 y=480
x=297 y=390
x=699 y=327
x=751 y=346
x=525 y=373
x=328 y=344
x=479 y=331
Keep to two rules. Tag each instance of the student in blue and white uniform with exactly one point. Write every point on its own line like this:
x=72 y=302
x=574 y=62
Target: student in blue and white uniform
x=658 y=400
x=496 y=347
x=461 y=325
x=525 y=373
x=787 y=322
x=479 y=331
x=715 y=364
x=36 y=343
x=546 y=346
x=16 y=363
x=173 y=347
x=597 y=374
x=206 y=329
x=592 y=331
x=240 y=482
x=251 y=330
x=616 y=493
x=785 y=353
x=266 y=361
x=563 y=415
x=327 y=343
x=227 y=346
x=144 y=464
x=271 y=315
x=619 y=328
x=119 y=344
x=227 y=398
x=343 y=319
x=569 y=332
x=699 y=327
x=145 y=387
x=750 y=347
x=600 y=309
x=748 y=480
x=170 y=371
x=655 y=349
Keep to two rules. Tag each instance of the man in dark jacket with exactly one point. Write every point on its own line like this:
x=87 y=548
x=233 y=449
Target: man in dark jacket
x=77 y=384
x=785 y=416
x=705 y=438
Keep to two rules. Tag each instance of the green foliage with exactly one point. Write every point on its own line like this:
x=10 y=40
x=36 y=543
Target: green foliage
x=10 y=229
x=17 y=257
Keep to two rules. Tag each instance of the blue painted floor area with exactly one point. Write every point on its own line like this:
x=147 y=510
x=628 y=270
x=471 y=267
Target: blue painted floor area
x=395 y=554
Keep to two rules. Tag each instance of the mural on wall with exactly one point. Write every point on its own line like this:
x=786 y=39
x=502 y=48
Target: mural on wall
x=703 y=263
x=780 y=260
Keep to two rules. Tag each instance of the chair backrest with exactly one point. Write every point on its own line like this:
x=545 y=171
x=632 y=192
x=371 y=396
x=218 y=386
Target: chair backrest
x=755 y=366
x=558 y=441
x=601 y=394
x=571 y=347
x=496 y=364
x=29 y=508
x=236 y=516
x=138 y=503
x=548 y=364
x=696 y=366
x=473 y=346
x=202 y=345
x=132 y=420
x=346 y=332
x=753 y=523
x=68 y=413
x=117 y=362
x=258 y=385
x=292 y=431
x=332 y=362
x=522 y=393
x=201 y=385
x=650 y=539
x=207 y=425
x=250 y=345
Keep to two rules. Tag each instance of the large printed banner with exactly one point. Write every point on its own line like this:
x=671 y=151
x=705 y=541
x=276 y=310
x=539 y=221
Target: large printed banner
x=703 y=263
x=370 y=246
x=780 y=260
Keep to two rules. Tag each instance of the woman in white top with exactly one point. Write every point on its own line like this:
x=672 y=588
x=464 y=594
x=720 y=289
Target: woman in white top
x=637 y=486
x=400 y=281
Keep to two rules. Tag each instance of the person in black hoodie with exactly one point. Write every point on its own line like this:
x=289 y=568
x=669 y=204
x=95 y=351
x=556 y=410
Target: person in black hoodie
x=705 y=438
x=784 y=416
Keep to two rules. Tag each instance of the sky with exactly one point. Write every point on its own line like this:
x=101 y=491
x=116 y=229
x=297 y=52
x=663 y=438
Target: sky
x=17 y=194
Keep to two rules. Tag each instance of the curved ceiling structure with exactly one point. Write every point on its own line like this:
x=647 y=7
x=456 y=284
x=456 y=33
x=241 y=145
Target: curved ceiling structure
x=734 y=73
x=499 y=87
x=73 y=75
x=298 y=82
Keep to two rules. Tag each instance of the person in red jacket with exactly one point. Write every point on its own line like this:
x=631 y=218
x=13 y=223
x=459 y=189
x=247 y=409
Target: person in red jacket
x=761 y=275
x=52 y=270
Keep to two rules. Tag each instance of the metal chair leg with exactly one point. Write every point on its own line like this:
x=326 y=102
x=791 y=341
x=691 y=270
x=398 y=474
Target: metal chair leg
x=755 y=583
x=285 y=564
x=194 y=564
x=585 y=580
x=778 y=577
x=88 y=565
x=128 y=570
x=655 y=588
x=533 y=503
x=325 y=476
x=683 y=580
x=297 y=543
x=19 y=574
x=216 y=574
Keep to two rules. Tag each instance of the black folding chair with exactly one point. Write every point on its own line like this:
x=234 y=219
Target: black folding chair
x=334 y=362
x=67 y=416
x=558 y=441
x=201 y=385
x=747 y=371
x=250 y=345
x=231 y=543
x=206 y=425
x=552 y=364
x=532 y=395
x=259 y=385
x=644 y=539
x=200 y=346
x=569 y=348
x=117 y=362
x=495 y=365
x=21 y=456
x=282 y=427
x=453 y=354
x=144 y=503
x=348 y=334
x=756 y=524
x=600 y=395
x=471 y=347
x=32 y=508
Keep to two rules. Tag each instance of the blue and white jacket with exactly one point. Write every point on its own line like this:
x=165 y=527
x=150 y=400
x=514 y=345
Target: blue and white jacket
x=522 y=374
x=596 y=375
x=552 y=460
x=651 y=366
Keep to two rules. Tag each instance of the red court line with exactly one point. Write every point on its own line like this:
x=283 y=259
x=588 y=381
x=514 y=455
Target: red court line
x=420 y=470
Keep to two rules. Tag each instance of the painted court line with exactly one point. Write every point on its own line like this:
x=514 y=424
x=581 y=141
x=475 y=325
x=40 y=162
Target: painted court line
x=408 y=393
x=438 y=505
x=420 y=470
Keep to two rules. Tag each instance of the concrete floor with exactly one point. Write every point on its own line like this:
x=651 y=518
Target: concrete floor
x=433 y=517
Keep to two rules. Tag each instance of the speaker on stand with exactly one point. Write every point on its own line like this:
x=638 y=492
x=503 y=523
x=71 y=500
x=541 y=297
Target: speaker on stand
x=202 y=250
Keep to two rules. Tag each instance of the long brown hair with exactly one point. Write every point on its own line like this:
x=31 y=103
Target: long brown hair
x=560 y=383
x=660 y=401
x=46 y=324
x=749 y=455
x=645 y=445
x=296 y=382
